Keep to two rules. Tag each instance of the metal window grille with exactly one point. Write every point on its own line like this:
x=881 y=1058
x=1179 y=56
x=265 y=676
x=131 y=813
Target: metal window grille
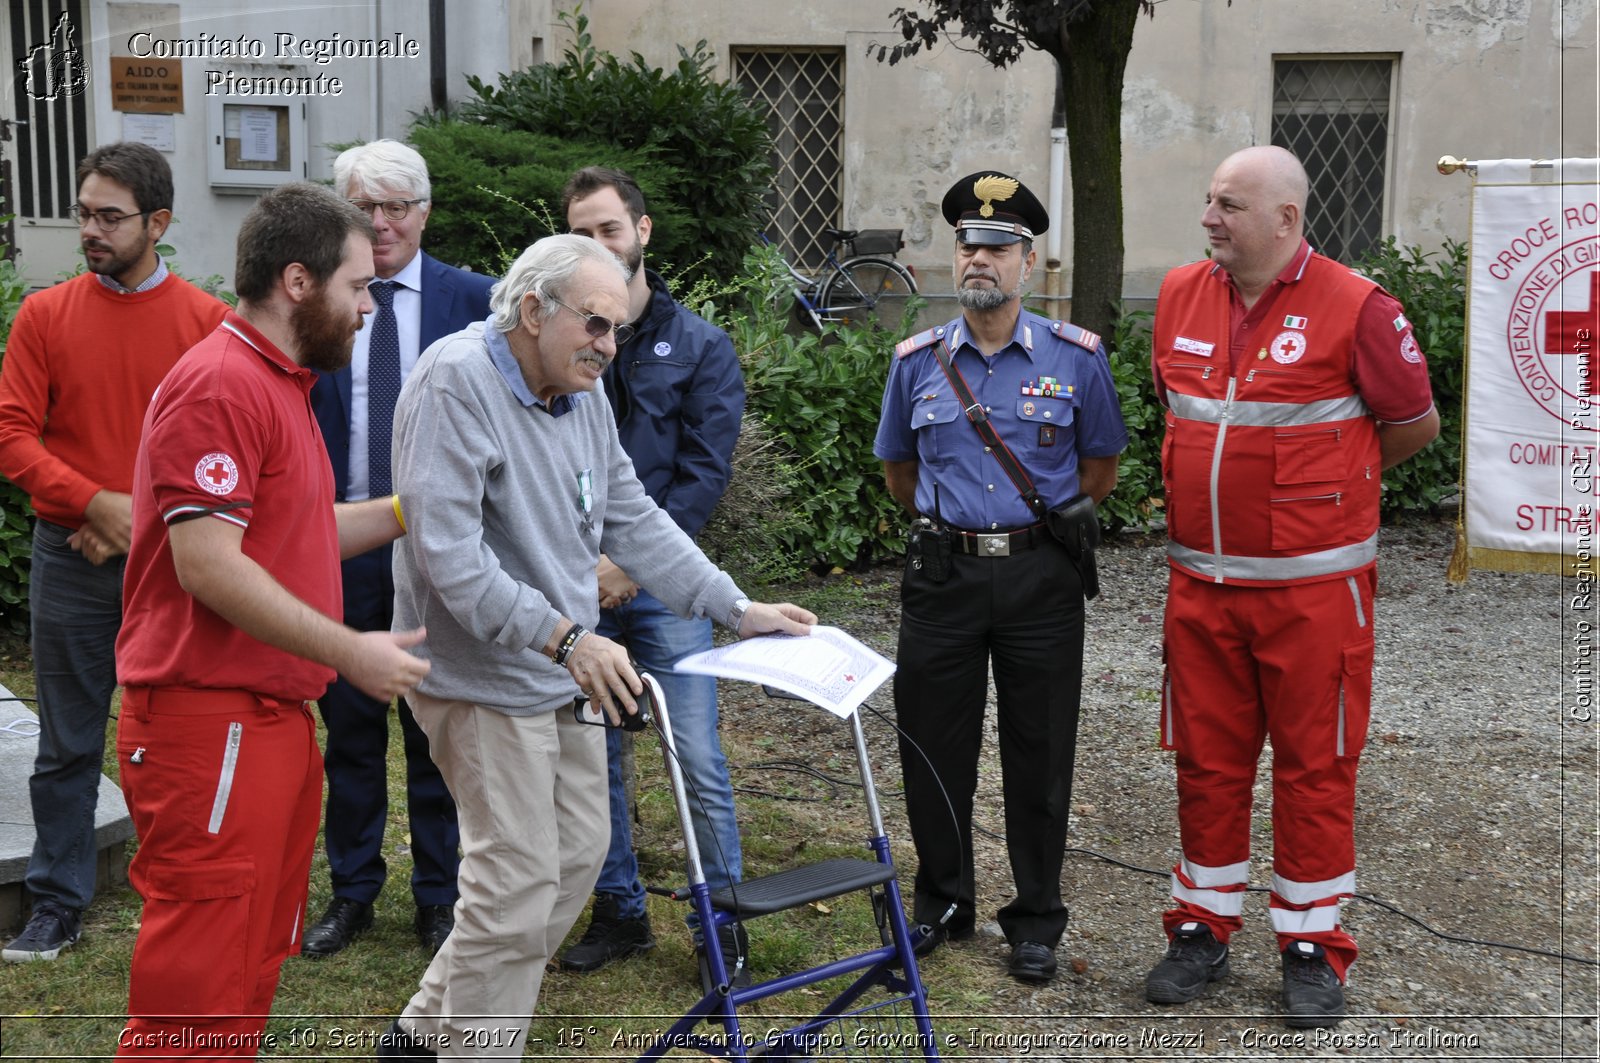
x=1334 y=114
x=804 y=94
x=46 y=47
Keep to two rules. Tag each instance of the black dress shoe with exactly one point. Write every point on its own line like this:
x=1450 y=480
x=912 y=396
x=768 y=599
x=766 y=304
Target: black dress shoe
x=1032 y=962
x=395 y=1043
x=433 y=924
x=341 y=924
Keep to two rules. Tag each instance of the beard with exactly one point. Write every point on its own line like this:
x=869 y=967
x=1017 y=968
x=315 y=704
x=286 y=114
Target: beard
x=114 y=266
x=323 y=337
x=633 y=259
x=992 y=298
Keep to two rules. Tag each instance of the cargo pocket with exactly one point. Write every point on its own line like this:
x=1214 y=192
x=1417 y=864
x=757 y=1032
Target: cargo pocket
x=1306 y=521
x=1355 y=700
x=1307 y=456
x=190 y=956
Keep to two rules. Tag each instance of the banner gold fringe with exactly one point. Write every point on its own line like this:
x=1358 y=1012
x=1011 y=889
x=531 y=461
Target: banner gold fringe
x=1513 y=561
x=1458 y=567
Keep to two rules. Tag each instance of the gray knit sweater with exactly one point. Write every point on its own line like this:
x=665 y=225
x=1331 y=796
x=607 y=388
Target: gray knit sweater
x=508 y=506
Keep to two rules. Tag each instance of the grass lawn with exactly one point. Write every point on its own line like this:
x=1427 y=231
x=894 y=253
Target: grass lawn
x=74 y=1007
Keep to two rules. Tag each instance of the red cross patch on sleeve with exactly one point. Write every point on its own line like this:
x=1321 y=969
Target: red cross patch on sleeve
x=217 y=473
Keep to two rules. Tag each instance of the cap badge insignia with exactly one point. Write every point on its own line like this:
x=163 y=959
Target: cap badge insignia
x=991 y=189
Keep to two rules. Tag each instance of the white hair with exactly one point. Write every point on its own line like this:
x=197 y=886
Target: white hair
x=546 y=269
x=382 y=164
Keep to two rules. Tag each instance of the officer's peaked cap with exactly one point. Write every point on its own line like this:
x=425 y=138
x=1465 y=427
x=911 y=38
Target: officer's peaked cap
x=989 y=207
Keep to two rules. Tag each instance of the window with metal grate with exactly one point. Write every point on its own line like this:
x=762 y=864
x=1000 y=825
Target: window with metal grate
x=1334 y=114
x=803 y=90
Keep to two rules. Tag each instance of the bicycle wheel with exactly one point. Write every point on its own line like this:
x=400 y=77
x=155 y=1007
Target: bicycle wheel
x=869 y=291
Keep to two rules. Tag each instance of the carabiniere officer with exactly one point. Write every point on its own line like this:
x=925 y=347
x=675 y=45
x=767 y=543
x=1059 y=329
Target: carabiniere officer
x=985 y=577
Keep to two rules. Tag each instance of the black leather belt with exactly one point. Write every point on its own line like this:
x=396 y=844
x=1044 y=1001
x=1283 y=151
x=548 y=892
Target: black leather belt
x=998 y=543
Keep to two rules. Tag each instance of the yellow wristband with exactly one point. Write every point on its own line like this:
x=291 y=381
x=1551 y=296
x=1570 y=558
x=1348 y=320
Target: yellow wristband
x=398 y=516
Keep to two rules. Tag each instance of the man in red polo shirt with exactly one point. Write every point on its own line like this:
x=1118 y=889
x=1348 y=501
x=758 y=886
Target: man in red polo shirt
x=231 y=628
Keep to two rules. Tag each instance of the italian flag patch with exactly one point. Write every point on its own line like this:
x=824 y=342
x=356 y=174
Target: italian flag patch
x=1294 y=322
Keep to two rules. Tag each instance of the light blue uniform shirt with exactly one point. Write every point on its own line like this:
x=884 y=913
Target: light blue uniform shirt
x=1050 y=399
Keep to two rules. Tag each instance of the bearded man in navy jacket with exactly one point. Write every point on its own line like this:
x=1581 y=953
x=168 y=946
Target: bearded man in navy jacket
x=418 y=300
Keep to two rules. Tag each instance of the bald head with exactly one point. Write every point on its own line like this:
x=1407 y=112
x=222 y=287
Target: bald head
x=1275 y=171
x=1255 y=214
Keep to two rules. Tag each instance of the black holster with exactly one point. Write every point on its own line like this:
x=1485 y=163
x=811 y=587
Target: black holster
x=929 y=549
x=1075 y=526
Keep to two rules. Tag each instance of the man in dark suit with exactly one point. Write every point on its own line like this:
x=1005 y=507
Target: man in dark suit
x=417 y=300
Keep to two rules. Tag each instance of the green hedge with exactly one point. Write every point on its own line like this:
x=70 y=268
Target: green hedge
x=495 y=191
x=1433 y=289
x=816 y=397
x=711 y=143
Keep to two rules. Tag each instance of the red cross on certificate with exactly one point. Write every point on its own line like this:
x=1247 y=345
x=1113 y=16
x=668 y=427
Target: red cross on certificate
x=1573 y=332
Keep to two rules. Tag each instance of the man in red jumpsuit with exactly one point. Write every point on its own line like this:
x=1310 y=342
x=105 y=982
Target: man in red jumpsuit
x=232 y=599
x=1290 y=384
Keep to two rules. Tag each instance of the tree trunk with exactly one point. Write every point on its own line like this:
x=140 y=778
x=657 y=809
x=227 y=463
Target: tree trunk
x=1093 y=56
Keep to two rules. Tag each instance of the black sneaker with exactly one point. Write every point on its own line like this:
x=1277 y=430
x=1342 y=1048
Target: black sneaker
x=932 y=935
x=339 y=926
x=735 y=947
x=609 y=937
x=1312 y=993
x=1194 y=959
x=51 y=928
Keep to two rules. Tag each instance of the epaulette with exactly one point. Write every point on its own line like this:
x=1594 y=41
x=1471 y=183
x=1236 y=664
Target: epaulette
x=1073 y=334
x=917 y=342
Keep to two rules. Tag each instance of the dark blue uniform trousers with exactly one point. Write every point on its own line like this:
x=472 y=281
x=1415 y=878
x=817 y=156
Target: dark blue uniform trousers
x=1025 y=612
x=358 y=740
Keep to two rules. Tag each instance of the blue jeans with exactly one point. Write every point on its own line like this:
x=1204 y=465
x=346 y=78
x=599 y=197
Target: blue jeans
x=76 y=613
x=658 y=638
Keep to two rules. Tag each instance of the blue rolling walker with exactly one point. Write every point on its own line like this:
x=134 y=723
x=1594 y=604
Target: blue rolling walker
x=881 y=1014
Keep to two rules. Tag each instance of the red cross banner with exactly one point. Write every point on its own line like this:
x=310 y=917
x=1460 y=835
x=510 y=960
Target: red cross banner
x=1531 y=403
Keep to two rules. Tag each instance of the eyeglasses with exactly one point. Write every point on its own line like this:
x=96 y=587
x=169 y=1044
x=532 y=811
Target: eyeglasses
x=108 y=220
x=393 y=209
x=597 y=326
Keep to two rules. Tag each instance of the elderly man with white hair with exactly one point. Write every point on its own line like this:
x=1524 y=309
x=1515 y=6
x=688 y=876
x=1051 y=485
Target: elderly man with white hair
x=512 y=482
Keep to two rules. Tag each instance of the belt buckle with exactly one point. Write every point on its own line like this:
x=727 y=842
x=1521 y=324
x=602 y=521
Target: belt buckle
x=998 y=545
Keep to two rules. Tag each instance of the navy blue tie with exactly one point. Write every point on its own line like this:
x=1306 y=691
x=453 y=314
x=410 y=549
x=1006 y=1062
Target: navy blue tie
x=383 y=387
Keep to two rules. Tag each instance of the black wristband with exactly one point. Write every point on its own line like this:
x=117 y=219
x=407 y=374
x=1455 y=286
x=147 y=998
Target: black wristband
x=568 y=641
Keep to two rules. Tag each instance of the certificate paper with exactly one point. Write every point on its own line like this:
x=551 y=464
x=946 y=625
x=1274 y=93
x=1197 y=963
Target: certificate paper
x=827 y=667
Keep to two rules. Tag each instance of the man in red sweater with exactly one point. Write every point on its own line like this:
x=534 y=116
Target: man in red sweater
x=83 y=360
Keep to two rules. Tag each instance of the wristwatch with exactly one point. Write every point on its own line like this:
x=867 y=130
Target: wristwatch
x=736 y=617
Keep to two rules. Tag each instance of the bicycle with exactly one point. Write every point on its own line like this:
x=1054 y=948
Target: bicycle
x=867 y=287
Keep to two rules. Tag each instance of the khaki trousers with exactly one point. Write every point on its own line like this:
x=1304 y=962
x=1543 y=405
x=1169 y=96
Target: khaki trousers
x=531 y=798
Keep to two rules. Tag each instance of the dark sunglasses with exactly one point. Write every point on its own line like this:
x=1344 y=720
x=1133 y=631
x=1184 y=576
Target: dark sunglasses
x=597 y=326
